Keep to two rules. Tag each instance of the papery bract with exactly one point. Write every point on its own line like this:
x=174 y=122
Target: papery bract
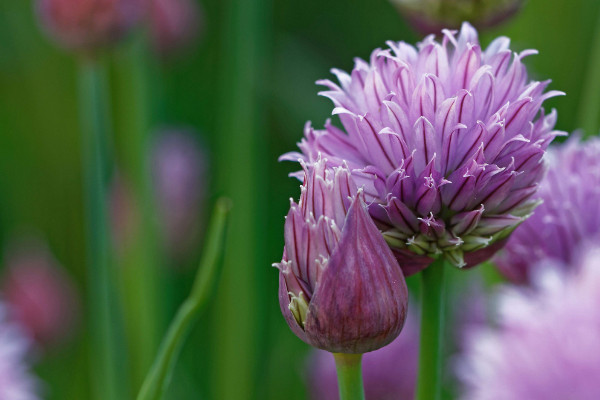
x=447 y=141
x=340 y=287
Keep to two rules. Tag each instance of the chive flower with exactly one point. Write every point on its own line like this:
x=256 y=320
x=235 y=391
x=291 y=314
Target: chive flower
x=446 y=140
x=567 y=219
x=546 y=343
x=340 y=287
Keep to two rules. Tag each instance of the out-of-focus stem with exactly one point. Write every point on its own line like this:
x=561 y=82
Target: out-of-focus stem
x=349 y=372
x=241 y=175
x=142 y=261
x=432 y=320
x=107 y=377
x=156 y=381
x=588 y=117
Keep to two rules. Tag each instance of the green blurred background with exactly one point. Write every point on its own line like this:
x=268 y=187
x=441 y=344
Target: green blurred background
x=248 y=87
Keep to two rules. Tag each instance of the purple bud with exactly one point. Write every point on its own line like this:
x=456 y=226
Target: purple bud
x=340 y=287
x=431 y=16
x=447 y=140
x=41 y=295
x=88 y=24
x=174 y=24
x=568 y=216
x=179 y=172
x=388 y=373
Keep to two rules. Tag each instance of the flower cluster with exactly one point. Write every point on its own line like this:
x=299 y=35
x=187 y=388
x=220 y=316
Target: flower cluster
x=16 y=383
x=547 y=344
x=447 y=141
x=569 y=216
x=340 y=287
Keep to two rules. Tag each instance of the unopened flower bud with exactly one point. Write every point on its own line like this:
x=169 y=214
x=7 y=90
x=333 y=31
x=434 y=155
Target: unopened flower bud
x=340 y=287
x=88 y=24
x=430 y=16
x=174 y=24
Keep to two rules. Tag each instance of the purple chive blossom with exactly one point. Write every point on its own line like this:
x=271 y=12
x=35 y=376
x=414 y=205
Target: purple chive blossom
x=340 y=287
x=388 y=373
x=16 y=382
x=546 y=345
x=447 y=141
x=174 y=24
x=568 y=217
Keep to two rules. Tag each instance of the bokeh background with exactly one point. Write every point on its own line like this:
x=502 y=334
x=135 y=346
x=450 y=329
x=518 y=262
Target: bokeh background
x=243 y=91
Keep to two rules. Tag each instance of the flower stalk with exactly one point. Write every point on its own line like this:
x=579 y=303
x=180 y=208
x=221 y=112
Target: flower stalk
x=349 y=373
x=156 y=381
x=95 y=123
x=432 y=321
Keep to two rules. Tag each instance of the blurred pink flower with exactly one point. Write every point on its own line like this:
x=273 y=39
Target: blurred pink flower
x=547 y=342
x=39 y=292
x=179 y=172
x=88 y=24
x=174 y=24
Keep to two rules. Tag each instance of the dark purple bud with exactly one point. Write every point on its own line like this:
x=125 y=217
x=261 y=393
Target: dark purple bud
x=341 y=288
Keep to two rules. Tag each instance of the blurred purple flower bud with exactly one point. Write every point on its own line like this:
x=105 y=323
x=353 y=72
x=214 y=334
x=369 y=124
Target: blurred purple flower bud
x=41 y=295
x=16 y=381
x=88 y=24
x=179 y=171
x=340 y=287
x=430 y=16
x=447 y=141
x=569 y=216
x=388 y=373
x=174 y=24
x=546 y=345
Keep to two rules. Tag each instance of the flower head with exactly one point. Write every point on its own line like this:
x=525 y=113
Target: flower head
x=16 y=382
x=546 y=345
x=40 y=293
x=340 y=287
x=447 y=141
x=569 y=216
x=389 y=373
x=88 y=24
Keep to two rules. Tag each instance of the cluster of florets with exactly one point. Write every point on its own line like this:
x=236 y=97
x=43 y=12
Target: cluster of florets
x=447 y=141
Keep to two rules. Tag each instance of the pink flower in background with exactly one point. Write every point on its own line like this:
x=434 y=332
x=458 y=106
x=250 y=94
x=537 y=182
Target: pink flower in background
x=447 y=141
x=389 y=373
x=547 y=342
x=174 y=24
x=40 y=293
x=340 y=287
x=16 y=380
x=180 y=180
x=88 y=24
x=569 y=216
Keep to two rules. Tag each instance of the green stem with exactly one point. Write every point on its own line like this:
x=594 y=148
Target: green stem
x=156 y=381
x=349 y=374
x=95 y=119
x=432 y=319
x=589 y=104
